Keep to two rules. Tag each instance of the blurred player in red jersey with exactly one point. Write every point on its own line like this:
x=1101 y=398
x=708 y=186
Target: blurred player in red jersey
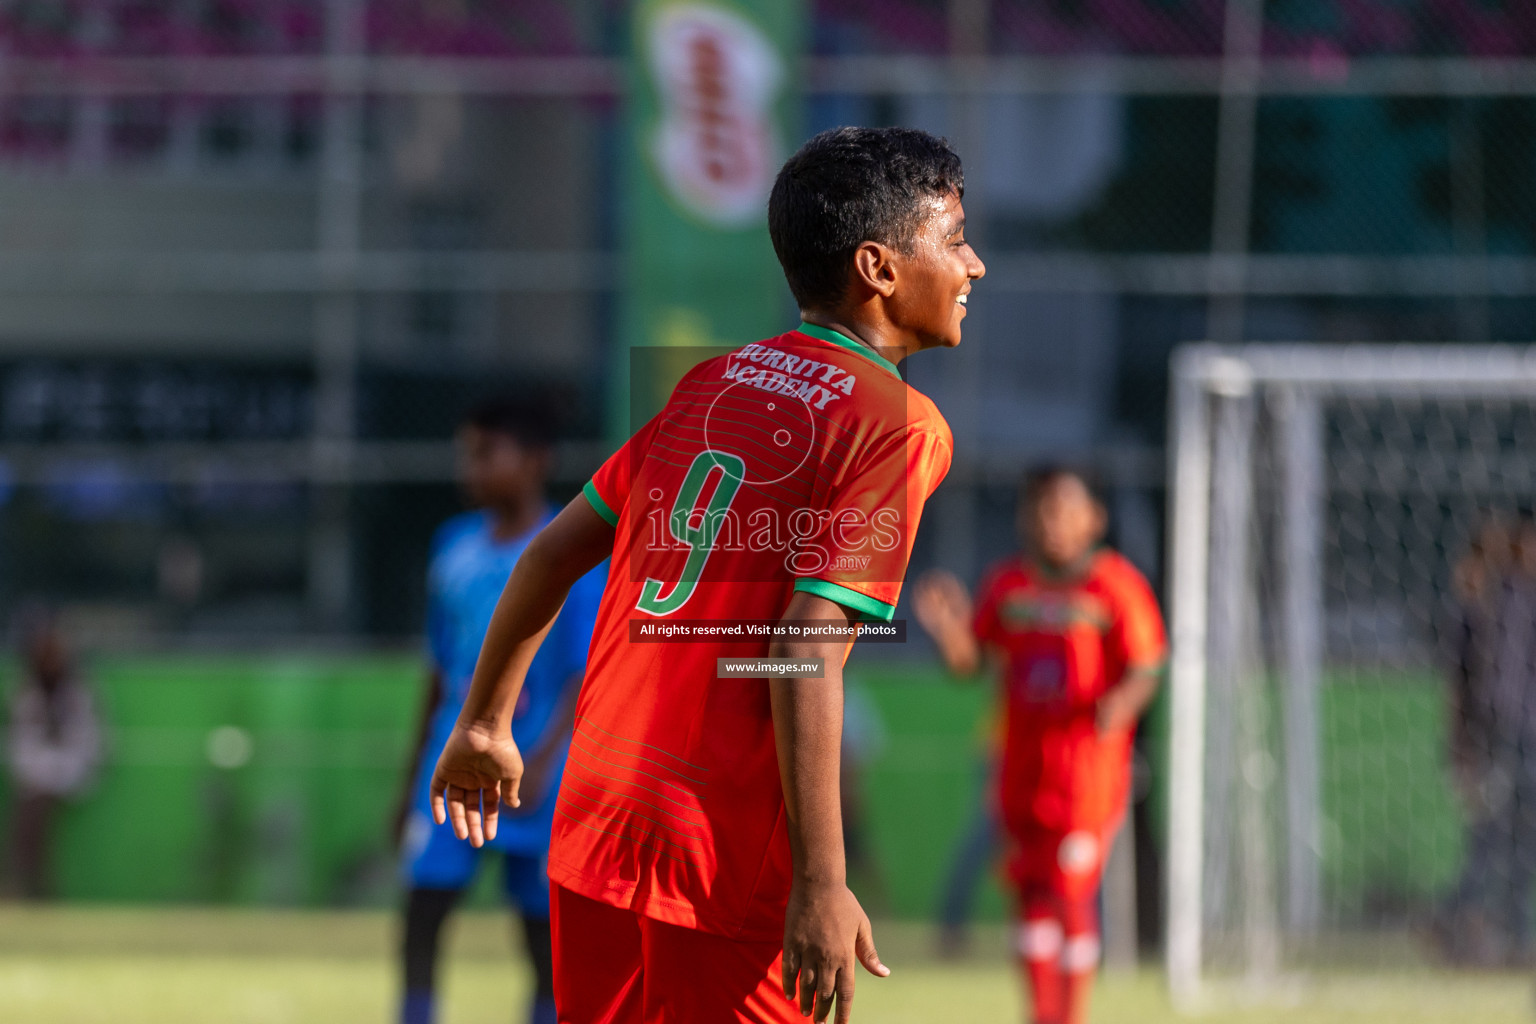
x=1077 y=634
x=697 y=859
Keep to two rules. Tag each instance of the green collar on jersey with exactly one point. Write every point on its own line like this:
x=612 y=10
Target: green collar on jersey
x=827 y=334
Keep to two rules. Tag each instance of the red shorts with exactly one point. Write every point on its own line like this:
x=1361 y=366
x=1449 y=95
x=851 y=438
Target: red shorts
x=1060 y=863
x=614 y=966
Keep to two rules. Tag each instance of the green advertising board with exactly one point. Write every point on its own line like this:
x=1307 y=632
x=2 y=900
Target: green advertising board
x=712 y=112
x=270 y=779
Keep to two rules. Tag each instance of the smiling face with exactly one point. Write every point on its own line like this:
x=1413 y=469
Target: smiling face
x=933 y=280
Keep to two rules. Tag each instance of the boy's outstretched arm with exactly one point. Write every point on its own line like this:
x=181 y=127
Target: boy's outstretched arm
x=825 y=930
x=943 y=609
x=481 y=765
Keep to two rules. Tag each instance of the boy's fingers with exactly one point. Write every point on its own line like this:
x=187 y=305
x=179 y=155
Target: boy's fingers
x=472 y=818
x=824 y=993
x=807 y=989
x=845 y=995
x=864 y=949
x=789 y=962
x=456 y=812
x=492 y=810
x=439 y=812
x=823 y=1003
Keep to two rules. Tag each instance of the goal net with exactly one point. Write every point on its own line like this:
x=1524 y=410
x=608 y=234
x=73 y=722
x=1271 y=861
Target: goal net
x=1346 y=570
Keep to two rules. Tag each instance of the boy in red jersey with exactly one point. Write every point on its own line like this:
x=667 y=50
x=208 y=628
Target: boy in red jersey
x=1080 y=642
x=697 y=856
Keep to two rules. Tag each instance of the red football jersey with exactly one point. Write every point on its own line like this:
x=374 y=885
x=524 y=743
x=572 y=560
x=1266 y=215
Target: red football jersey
x=797 y=463
x=1064 y=643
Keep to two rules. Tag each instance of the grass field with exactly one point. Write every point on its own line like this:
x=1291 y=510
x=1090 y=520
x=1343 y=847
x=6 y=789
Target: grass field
x=121 y=966
x=168 y=826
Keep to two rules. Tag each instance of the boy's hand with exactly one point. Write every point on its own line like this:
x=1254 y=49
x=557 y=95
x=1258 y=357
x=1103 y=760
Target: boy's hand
x=479 y=769
x=941 y=603
x=1113 y=712
x=1122 y=705
x=943 y=609
x=825 y=933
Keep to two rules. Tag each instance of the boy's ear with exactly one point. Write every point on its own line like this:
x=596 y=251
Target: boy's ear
x=874 y=266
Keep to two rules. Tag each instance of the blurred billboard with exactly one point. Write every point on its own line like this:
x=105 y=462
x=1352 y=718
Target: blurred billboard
x=257 y=255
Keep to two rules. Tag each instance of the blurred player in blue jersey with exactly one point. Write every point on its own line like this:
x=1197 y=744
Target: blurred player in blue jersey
x=504 y=460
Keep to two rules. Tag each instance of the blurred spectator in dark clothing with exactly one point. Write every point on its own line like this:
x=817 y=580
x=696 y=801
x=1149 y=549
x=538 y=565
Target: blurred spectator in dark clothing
x=1478 y=581
x=1493 y=749
x=54 y=746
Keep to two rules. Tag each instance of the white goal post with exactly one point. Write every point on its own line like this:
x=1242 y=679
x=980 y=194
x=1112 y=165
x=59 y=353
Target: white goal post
x=1317 y=495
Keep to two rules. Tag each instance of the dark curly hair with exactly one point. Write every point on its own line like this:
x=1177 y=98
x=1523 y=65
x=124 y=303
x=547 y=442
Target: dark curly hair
x=847 y=186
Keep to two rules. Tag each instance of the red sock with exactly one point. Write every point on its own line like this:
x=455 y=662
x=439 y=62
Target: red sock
x=1040 y=946
x=1079 y=958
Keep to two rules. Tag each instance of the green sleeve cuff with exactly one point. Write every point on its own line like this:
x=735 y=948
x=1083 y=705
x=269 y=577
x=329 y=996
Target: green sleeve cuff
x=867 y=607
x=609 y=515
